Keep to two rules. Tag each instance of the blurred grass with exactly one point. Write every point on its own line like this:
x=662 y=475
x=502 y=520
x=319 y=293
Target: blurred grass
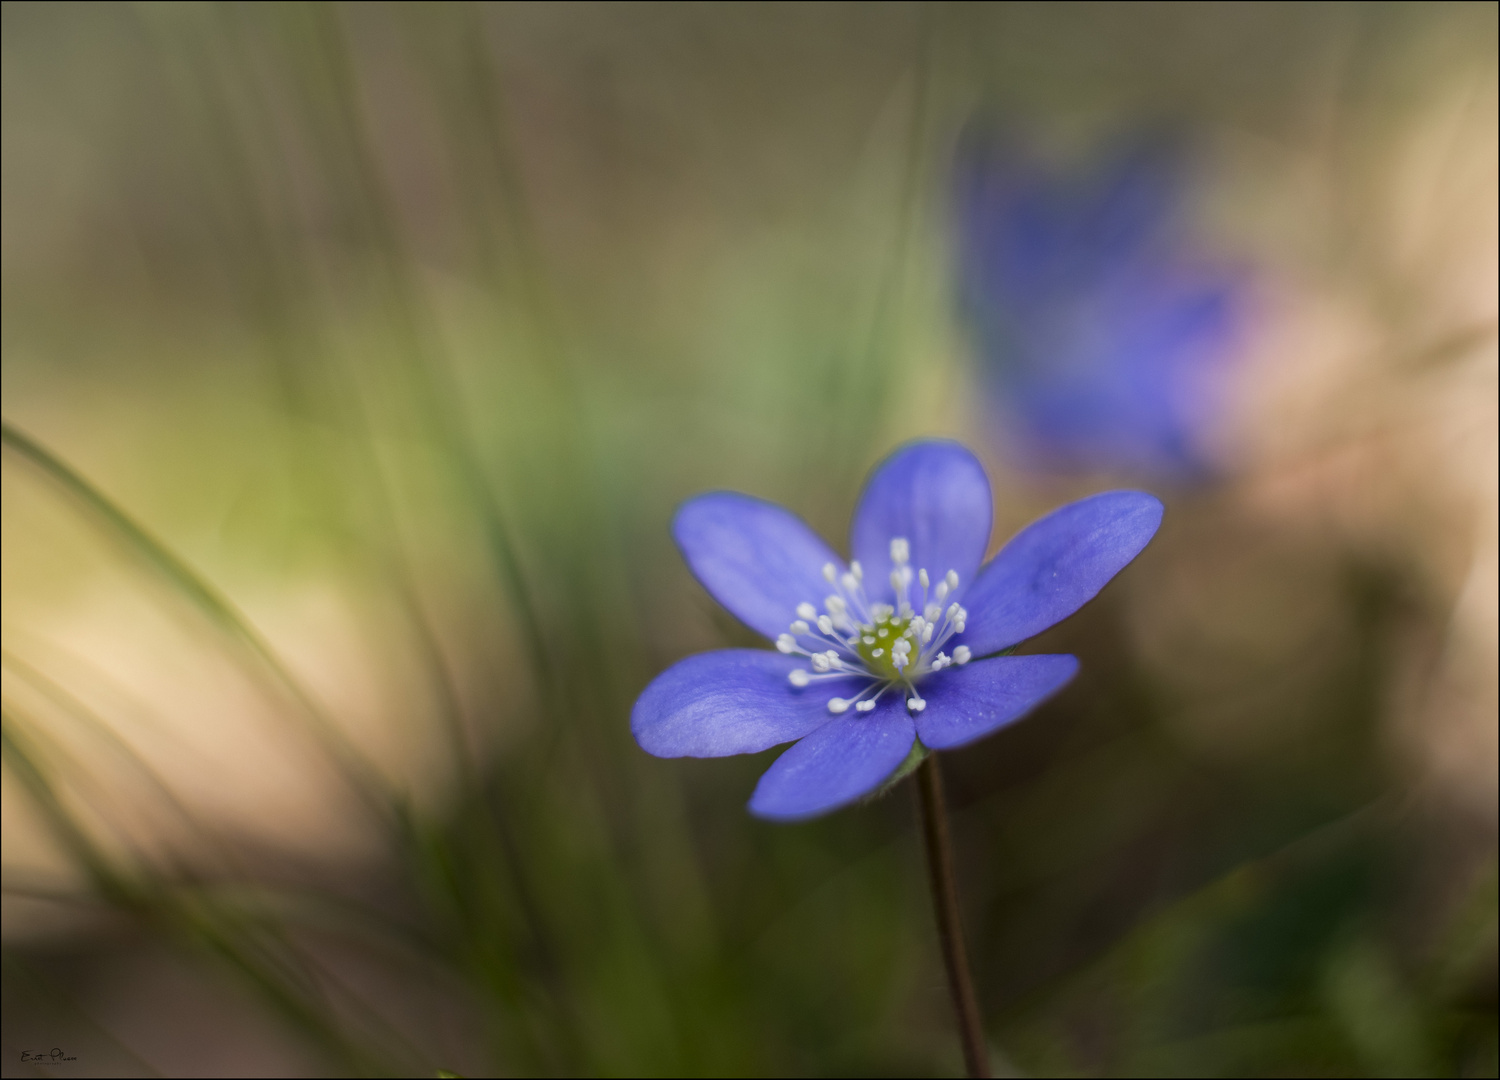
x=437 y=311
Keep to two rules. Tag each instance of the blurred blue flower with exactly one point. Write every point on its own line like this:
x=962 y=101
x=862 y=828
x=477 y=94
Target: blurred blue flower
x=1102 y=332
x=893 y=653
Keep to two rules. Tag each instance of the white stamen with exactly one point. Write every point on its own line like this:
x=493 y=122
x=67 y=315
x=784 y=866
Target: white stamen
x=862 y=632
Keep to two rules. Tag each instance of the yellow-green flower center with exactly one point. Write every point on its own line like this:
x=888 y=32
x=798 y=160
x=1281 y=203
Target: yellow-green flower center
x=877 y=646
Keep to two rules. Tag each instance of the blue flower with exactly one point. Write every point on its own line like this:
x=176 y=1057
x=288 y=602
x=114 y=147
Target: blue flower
x=895 y=646
x=1101 y=330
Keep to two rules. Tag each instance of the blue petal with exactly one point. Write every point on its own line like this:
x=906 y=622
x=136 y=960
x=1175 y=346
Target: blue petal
x=847 y=757
x=936 y=496
x=734 y=701
x=757 y=559
x=967 y=703
x=1056 y=565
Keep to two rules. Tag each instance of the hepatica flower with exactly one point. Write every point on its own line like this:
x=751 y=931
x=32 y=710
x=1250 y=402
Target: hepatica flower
x=894 y=653
x=1103 y=329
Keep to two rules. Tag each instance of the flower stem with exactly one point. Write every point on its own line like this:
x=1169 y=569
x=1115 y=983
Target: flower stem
x=945 y=901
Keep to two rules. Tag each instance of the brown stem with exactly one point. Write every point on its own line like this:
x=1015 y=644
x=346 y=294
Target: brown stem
x=945 y=901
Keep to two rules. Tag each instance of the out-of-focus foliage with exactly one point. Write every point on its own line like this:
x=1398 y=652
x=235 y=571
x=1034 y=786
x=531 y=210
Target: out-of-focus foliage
x=355 y=357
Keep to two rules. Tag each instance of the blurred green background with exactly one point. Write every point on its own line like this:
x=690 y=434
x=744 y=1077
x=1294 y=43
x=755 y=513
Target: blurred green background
x=355 y=358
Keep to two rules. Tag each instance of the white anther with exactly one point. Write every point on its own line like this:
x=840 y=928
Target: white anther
x=953 y=610
x=857 y=570
x=927 y=633
x=941 y=592
x=837 y=705
x=865 y=706
x=820 y=662
x=961 y=654
x=882 y=611
x=825 y=624
x=806 y=611
x=799 y=628
x=900 y=551
x=952 y=579
x=932 y=612
x=901 y=645
x=958 y=627
x=799 y=677
x=849 y=582
x=942 y=661
x=835 y=605
x=915 y=704
x=877 y=652
x=830 y=573
x=899 y=660
x=786 y=643
x=896 y=579
x=922 y=577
